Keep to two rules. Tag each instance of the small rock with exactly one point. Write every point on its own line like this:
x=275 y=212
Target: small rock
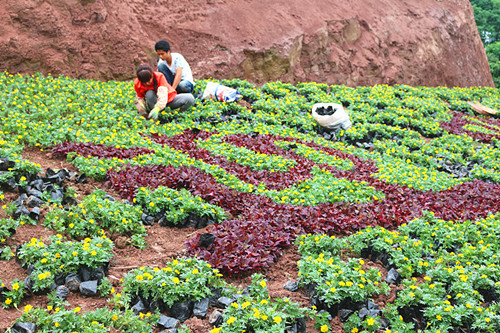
x=139 y=307
x=200 y=308
x=363 y=313
x=223 y=302
x=393 y=276
x=329 y=316
x=108 y=197
x=35 y=193
x=49 y=172
x=215 y=318
x=345 y=314
x=21 y=211
x=36 y=184
x=62 y=292
x=291 y=286
x=147 y=219
x=20 y=201
x=73 y=281
x=34 y=201
x=57 y=195
x=88 y=288
x=81 y=179
x=384 y=323
x=10 y=185
x=170 y=330
x=35 y=213
x=372 y=306
x=24 y=327
x=168 y=322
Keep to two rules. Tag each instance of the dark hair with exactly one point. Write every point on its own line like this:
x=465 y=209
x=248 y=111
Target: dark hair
x=144 y=73
x=162 y=45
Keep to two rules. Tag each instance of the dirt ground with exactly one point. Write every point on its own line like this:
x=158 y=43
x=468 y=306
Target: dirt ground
x=163 y=244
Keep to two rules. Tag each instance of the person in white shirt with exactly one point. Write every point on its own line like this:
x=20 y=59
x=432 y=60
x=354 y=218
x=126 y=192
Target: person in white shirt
x=174 y=67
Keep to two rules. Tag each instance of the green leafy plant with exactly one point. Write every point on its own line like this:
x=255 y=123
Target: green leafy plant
x=59 y=256
x=60 y=319
x=178 y=280
x=256 y=311
x=177 y=204
x=95 y=214
x=12 y=298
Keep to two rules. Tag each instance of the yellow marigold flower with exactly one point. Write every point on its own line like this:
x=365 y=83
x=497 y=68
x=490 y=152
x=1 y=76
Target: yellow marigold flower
x=263 y=284
x=324 y=328
x=277 y=319
x=231 y=320
x=27 y=308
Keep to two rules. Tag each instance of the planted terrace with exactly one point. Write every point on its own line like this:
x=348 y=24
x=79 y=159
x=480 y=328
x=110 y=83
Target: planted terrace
x=260 y=176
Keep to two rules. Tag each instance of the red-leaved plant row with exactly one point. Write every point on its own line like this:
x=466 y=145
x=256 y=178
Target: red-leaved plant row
x=98 y=150
x=455 y=126
x=261 y=227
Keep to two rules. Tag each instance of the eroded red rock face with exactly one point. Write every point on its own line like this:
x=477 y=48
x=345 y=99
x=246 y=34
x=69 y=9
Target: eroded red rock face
x=354 y=42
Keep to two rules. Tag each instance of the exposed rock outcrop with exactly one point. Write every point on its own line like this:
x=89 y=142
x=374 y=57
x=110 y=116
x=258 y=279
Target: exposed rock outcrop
x=362 y=42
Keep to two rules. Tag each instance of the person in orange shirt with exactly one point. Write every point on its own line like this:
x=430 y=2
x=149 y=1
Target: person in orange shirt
x=154 y=93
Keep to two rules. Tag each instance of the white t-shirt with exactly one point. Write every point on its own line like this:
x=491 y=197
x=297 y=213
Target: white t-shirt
x=178 y=61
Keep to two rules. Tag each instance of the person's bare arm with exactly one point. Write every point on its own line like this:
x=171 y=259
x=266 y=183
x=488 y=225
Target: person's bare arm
x=177 y=78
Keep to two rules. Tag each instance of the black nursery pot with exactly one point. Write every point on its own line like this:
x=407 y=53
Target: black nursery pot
x=181 y=310
x=489 y=294
x=411 y=313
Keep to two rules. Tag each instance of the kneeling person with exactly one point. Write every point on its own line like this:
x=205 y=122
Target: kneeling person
x=154 y=93
x=174 y=67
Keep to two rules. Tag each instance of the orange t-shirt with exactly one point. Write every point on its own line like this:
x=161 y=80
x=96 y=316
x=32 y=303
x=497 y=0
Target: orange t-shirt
x=141 y=89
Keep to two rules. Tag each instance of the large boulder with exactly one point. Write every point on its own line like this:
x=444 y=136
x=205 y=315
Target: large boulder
x=361 y=42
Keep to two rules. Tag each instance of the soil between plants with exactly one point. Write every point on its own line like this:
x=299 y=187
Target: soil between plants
x=163 y=244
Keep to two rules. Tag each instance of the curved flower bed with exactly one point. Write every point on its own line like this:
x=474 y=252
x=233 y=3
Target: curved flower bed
x=265 y=174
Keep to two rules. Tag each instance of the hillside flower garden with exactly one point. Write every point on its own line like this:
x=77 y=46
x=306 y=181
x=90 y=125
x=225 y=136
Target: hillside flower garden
x=407 y=202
